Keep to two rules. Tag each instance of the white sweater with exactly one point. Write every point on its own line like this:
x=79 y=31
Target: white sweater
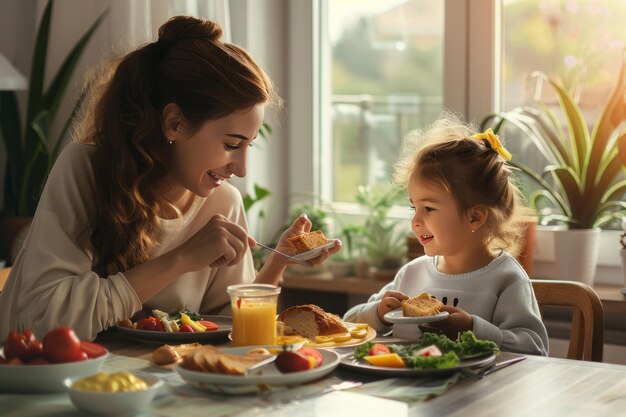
x=52 y=283
x=499 y=297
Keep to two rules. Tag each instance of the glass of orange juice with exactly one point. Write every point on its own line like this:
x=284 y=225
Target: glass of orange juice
x=254 y=313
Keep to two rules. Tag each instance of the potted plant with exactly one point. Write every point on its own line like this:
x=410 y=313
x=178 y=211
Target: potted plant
x=344 y=263
x=582 y=184
x=384 y=242
x=31 y=150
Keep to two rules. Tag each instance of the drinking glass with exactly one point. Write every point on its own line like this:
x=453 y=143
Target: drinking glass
x=254 y=313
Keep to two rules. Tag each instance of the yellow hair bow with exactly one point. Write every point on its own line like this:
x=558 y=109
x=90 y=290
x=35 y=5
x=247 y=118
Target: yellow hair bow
x=495 y=143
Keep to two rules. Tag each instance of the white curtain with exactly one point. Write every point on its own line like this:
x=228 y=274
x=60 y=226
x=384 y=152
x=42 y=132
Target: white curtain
x=129 y=24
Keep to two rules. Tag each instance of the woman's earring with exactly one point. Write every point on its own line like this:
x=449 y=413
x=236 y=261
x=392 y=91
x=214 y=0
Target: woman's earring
x=170 y=142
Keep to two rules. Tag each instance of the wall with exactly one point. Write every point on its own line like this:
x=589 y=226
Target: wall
x=257 y=26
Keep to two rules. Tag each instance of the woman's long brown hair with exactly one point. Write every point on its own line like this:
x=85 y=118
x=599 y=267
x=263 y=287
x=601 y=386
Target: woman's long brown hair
x=189 y=66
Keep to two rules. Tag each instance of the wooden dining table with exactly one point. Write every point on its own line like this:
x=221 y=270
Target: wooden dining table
x=535 y=386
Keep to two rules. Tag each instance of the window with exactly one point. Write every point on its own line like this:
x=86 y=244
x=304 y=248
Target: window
x=382 y=78
x=579 y=41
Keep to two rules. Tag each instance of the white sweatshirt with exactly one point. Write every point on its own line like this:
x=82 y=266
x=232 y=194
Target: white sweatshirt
x=52 y=283
x=499 y=297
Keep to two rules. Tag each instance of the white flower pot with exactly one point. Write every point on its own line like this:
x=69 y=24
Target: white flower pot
x=576 y=253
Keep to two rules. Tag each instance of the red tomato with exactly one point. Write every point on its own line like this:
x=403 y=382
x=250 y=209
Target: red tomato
x=378 y=349
x=208 y=324
x=38 y=361
x=62 y=345
x=151 y=323
x=36 y=349
x=313 y=355
x=20 y=345
x=16 y=346
x=186 y=328
x=93 y=350
x=15 y=361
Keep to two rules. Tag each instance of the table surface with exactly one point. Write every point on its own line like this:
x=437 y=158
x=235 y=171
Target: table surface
x=536 y=386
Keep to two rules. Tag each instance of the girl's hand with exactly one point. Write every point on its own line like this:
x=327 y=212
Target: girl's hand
x=391 y=300
x=301 y=225
x=220 y=242
x=457 y=322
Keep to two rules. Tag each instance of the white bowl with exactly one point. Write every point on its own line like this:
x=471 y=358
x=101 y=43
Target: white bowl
x=115 y=402
x=45 y=378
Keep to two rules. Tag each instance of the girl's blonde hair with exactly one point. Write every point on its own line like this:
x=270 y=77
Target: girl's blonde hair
x=471 y=172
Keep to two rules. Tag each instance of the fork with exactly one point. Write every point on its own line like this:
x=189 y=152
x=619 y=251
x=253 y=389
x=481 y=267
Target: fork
x=291 y=258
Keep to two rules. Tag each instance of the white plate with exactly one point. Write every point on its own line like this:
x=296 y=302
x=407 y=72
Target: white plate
x=305 y=256
x=224 y=326
x=45 y=378
x=396 y=316
x=237 y=384
x=347 y=360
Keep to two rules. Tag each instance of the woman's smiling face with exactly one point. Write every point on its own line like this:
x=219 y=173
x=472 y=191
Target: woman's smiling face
x=217 y=151
x=437 y=223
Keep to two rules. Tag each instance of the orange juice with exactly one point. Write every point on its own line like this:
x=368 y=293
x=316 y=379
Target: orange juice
x=254 y=323
x=254 y=313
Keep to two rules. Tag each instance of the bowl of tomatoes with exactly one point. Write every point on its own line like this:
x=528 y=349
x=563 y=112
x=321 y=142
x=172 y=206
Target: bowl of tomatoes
x=30 y=365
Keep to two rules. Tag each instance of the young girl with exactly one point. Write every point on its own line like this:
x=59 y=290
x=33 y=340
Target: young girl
x=466 y=218
x=139 y=213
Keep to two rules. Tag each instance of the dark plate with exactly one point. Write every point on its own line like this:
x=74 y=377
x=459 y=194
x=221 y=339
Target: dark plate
x=224 y=326
x=347 y=360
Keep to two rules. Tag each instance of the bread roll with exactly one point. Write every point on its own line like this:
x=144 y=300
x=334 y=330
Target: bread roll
x=309 y=320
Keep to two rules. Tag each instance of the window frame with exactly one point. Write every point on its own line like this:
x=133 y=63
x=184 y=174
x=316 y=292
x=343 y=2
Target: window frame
x=468 y=89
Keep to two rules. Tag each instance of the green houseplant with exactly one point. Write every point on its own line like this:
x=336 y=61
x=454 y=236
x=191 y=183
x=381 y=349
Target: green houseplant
x=582 y=176
x=383 y=241
x=582 y=184
x=31 y=150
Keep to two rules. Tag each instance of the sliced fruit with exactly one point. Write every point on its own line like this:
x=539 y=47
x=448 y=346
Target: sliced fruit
x=324 y=339
x=378 y=349
x=292 y=362
x=362 y=326
x=289 y=340
x=388 y=360
x=341 y=337
x=358 y=333
x=431 y=350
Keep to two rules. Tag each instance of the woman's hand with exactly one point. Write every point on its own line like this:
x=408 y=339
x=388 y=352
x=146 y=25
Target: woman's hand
x=391 y=300
x=301 y=225
x=220 y=242
x=457 y=322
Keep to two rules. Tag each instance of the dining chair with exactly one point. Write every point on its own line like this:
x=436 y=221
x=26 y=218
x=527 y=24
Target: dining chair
x=4 y=273
x=587 y=328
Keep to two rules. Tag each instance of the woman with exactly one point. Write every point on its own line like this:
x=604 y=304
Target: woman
x=137 y=214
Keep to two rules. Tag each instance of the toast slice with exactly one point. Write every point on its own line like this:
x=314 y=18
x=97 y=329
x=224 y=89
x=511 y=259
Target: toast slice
x=421 y=305
x=307 y=241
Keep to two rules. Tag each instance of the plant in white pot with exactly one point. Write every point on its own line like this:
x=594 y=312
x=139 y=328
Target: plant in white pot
x=32 y=149
x=582 y=184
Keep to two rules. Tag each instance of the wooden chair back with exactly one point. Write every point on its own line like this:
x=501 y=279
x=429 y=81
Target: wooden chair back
x=587 y=333
x=4 y=273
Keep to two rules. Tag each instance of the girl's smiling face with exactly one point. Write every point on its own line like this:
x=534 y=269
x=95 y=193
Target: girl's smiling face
x=217 y=151
x=437 y=223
